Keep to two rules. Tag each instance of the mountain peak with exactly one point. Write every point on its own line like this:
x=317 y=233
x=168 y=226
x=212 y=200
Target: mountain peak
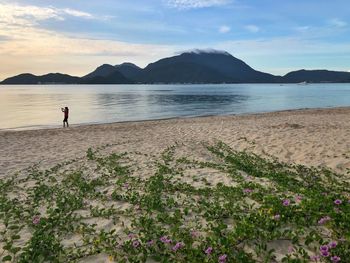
x=103 y=70
x=127 y=64
x=206 y=52
x=105 y=66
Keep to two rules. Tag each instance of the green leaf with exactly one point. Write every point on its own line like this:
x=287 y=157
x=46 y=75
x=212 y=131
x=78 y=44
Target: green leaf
x=14 y=250
x=7 y=247
x=7 y=258
x=15 y=237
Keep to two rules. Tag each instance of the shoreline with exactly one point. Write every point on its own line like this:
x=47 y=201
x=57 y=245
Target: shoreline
x=54 y=127
x=184 y=84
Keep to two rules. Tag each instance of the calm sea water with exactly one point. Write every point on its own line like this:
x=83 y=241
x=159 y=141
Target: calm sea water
x=34 y=107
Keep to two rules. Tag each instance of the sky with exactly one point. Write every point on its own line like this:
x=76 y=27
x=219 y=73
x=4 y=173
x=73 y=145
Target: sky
x=74 y=37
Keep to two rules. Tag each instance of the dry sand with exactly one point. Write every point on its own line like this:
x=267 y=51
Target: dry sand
x=317 y=137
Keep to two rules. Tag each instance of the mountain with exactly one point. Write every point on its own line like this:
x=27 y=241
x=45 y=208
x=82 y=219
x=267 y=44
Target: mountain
x=199 y=66
x=316 y=76
x=101 y=71
x=203 y=67
x=113 y=78
x=52 y=78
x=129 y=70
x=108 y=74
x=182 y=72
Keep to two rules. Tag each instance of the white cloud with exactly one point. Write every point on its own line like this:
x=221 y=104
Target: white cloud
x=26 y=47
x=224 y=29
x=303 y=29
x=252 y=28
x=338 y=22
x=30 y=15
x=192 y=4
x=41 y=51
x=77 y=13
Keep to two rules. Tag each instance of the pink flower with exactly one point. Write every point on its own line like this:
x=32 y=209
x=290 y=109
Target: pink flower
x=178 y=246
x=325 y=253
x=286 y=202
x=208 y=251
x=247 y=191
x=315 y=258
x=298 y=198
x=332 y=244
x=335 y=259
x=338 y=202
x=324 y=220
x=222 y=258
x=165 y=240
x=36 y=220
x=324 y=248
x=136 y=243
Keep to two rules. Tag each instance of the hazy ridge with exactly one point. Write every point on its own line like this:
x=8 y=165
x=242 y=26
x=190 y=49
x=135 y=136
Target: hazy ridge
x=195 y=67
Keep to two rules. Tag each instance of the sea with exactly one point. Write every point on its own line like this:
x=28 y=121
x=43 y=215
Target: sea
x=26 y=107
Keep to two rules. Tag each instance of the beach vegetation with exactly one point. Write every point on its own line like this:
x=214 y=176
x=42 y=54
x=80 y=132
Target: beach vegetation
x=175 y=209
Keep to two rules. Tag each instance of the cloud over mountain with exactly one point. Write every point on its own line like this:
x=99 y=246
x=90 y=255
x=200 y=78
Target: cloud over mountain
x=191 y=4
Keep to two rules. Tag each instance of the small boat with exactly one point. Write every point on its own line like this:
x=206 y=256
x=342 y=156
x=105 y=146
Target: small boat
x=302 y=83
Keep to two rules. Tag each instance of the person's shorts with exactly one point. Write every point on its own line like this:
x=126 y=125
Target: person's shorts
x=65 y=119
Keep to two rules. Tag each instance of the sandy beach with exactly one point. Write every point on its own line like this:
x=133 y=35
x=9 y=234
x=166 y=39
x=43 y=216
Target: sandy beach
x=315 y=137
x=210 y=189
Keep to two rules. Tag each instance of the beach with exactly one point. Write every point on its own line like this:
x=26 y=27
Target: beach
x=314 y=137
x=251 y=188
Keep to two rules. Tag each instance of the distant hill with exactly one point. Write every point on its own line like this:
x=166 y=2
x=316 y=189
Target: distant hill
x=316 y=76
x=129 y=70
x=113 y=78
x=106 y=74
x=52 y=78
x=190 y=67
x=101 y=71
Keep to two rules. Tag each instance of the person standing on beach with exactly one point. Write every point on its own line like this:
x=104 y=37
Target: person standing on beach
x=66 y=114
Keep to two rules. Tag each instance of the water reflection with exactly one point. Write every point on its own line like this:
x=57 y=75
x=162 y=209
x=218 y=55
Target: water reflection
x=147 y=105
x=206 y=100
x=111 y=99
x=39 y=106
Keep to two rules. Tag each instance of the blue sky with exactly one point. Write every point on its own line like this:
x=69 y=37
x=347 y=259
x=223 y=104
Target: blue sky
x=74 y=37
